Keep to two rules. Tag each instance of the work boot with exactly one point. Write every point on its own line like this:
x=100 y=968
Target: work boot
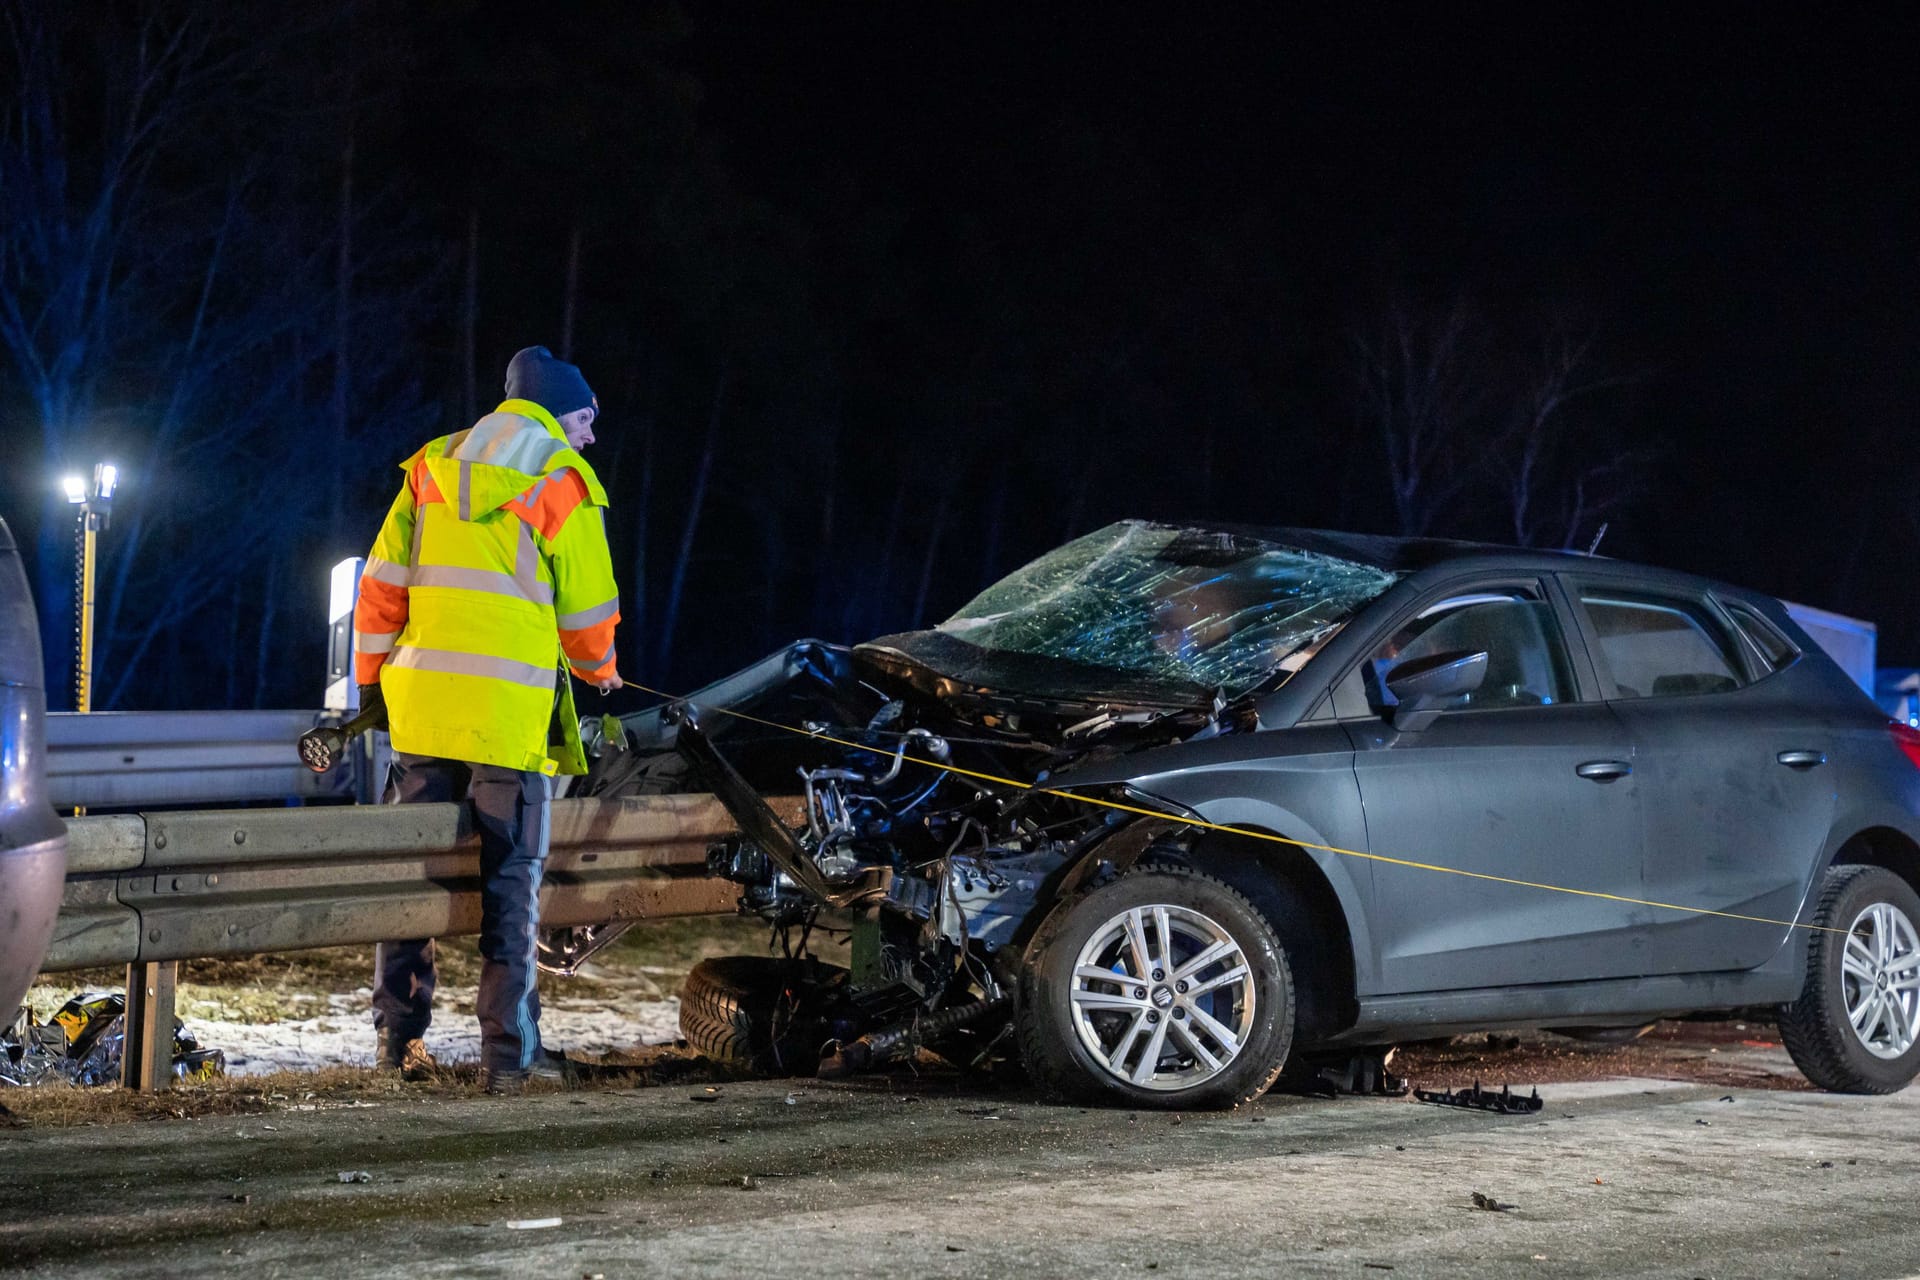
x=407 y=1056
x=508 y=1081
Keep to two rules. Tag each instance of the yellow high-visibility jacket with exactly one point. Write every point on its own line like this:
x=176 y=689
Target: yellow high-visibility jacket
x=490 y=570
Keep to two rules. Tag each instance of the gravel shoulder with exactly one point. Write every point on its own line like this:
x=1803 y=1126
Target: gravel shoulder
x=1696 y=1151
x=937 y=1176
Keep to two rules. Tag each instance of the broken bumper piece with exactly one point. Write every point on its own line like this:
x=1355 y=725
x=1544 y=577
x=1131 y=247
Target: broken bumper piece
x=1506 y=1102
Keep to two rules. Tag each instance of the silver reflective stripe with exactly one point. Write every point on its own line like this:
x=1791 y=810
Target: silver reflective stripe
x=580 y=665
x=488 y=580
x=587 y=617
x=506 y=440
x=526 y=567
x=466 y=490
x=374 y=642
x=385 y=571
x=451 y=662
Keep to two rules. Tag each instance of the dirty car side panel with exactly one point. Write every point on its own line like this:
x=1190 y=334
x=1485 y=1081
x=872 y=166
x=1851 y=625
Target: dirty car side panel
x=1296 y=783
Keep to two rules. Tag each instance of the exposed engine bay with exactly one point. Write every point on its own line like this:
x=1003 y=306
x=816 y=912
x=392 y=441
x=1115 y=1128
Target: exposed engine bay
x=929 y=831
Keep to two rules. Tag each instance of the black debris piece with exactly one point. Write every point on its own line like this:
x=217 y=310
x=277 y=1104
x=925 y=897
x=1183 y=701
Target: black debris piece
x=1359 y=1074
x=1506 y=1102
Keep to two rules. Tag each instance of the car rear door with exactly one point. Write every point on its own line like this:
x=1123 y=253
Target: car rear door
x=1530 y=781
x=1736 y=790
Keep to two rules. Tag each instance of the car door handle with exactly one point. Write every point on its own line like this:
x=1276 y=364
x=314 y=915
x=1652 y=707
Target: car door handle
x=1604 y=770
x=1801 y=759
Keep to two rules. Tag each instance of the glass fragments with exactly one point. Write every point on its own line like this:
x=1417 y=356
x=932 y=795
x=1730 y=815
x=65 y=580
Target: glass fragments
x=1213 y=608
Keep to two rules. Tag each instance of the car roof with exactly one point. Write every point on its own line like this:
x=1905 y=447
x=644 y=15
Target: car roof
x=1411 y=555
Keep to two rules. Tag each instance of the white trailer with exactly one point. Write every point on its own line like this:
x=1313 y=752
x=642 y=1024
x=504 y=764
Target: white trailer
x=1848 y=641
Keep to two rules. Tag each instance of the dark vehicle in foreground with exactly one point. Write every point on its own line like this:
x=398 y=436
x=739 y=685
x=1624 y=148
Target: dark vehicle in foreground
x=33 y=840
x=1173 y=806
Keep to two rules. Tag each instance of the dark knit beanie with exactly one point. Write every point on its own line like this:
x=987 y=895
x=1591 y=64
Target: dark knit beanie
x=556 y=386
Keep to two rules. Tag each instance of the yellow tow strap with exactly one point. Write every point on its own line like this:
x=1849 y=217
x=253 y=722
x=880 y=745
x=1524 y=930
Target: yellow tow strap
x=1203 y=825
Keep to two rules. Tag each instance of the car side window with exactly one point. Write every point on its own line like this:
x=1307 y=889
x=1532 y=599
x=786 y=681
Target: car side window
x=1772 y=649
x=1526 y=657
x=1658 y=648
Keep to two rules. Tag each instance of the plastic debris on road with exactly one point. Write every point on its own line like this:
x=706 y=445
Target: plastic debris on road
x=82 y=1044
x=1506 y=1102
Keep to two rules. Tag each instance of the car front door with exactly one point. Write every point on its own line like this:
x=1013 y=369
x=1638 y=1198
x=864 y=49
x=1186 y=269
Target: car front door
x=1526 y=782
x=1736 y=795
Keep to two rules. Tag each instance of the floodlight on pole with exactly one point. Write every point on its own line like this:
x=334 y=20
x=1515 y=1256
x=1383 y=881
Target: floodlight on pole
x=95 y=505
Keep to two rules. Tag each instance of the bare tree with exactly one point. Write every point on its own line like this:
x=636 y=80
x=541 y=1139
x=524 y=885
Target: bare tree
x=1423 y=393
x=1522 y=444
x=174 y=310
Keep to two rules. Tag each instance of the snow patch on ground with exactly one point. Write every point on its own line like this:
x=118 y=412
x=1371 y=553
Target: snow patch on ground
x=344 y=1034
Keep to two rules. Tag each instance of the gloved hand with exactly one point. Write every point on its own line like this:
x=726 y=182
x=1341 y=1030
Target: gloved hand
x=370 y=694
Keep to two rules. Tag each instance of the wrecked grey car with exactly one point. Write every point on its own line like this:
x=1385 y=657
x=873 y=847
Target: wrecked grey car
x=1173 y=807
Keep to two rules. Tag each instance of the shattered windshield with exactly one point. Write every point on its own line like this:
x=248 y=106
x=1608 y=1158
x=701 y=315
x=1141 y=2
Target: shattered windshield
x=1204 y=607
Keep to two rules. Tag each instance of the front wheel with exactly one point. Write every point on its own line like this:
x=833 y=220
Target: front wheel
x=1856 y=1026
x=1164 y=988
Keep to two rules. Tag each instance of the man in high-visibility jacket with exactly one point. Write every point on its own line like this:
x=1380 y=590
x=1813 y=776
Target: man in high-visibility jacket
x=489 y=581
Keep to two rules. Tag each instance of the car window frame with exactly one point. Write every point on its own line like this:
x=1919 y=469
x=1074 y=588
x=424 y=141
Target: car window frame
x=1346 y=695
x=1654 y=594
x=1760 y=666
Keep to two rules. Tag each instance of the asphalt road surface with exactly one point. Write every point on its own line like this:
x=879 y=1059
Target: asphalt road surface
x=938 y=1177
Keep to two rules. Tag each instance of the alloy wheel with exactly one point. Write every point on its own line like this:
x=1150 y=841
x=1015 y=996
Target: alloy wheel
x=1880 y=980
x=1162 y=997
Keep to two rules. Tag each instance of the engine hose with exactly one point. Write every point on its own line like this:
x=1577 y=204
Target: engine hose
x=890 y=1044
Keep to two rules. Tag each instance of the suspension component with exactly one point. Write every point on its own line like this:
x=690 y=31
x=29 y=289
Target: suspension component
x=903 y=1039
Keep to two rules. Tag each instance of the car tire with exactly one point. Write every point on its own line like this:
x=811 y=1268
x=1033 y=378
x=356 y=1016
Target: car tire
x=759 y=1014
x=1218 y=1031
x=1856 y=1026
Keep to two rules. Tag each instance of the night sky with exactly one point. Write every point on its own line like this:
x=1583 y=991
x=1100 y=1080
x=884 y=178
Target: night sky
x=965 y=281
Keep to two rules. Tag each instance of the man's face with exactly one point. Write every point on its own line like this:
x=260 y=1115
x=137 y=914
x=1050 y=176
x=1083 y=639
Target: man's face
x=578 y=426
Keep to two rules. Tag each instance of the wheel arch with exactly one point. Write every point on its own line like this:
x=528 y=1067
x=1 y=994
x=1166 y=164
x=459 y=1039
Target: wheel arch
x=1311 y=889
x=1290 y=882
x=1881 y=846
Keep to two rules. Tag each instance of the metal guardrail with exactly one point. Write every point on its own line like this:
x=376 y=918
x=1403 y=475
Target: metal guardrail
x=178 y=886
x=148 y=890
x=132 y=759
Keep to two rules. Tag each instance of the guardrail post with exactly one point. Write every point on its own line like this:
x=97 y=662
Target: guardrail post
x=146 y=1056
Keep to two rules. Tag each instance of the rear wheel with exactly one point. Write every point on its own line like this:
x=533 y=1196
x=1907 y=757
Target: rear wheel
x=1856 y=1026
x=1164 y=988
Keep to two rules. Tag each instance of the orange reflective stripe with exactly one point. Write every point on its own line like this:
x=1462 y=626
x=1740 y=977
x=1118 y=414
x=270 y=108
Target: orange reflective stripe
x=545 y=506
x=382 y=607
x=589 y=647
x=422 y=482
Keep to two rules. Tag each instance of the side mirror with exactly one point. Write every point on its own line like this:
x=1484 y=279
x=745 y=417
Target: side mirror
x=1421 y=686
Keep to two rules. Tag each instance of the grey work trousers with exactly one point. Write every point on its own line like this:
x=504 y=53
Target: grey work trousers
x=510 y=810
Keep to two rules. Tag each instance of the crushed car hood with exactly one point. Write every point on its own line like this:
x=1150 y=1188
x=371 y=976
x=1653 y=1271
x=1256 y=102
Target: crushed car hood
x=946 y=667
